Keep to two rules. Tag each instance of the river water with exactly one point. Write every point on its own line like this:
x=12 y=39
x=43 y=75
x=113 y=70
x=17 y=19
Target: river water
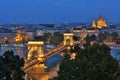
x=116 y=54
x=21 y=50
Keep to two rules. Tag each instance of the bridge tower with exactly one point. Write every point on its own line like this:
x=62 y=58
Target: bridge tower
x=35 y=54
x=68 y=39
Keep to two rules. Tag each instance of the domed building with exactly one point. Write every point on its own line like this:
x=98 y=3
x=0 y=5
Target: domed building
x=101 y=23
x=21 y=37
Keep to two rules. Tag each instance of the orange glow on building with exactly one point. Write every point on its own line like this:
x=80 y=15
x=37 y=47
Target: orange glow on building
x=101 y=23
x=21 y=36
x=94 y=24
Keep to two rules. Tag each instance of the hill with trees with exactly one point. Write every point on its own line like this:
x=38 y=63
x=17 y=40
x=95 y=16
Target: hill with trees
x=10 y=66
x=92 y=63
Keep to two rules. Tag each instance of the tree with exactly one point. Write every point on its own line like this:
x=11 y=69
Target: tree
x=115 y=36
x=92 y=63
x=90 y=38
x=104 y=36
x=75 y=38
x=39 y=38
x=56 y=38
x=47 y=37
x=10 y=66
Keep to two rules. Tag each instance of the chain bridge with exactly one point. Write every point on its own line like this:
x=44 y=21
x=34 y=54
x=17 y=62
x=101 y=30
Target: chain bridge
x=34 y=63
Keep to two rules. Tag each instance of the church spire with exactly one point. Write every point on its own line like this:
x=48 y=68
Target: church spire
x=100 y=16
x=94 y=24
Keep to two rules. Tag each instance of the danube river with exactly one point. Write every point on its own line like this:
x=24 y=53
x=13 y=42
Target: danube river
x=53 y=61
x=21 y=50
x=116 y=53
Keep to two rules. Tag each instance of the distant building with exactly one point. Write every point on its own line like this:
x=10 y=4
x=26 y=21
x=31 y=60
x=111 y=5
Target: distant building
x=21 y=37
x=101 y=23
x=94 y=25
x=111 y=29
x=5 y=30
x=6 y=35
x=83 y=32
x=41 y=32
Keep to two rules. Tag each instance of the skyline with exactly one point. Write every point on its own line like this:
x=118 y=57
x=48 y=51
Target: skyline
x=58 y=11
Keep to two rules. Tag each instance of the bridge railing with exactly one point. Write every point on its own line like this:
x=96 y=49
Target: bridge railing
x=33 y=61
x=29 y=64
x=55 y=50
x=61 y=44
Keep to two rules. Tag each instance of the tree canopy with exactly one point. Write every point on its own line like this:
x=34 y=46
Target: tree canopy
x=106 y=36
x=91 y=38
x=92 y=63
x=55 y=38
x=10 y=66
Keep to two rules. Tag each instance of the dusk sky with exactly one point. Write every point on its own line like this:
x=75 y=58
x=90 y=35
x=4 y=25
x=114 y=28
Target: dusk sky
x=58 y=11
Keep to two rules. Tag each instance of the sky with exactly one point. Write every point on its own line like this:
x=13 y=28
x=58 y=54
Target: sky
x=58 y=11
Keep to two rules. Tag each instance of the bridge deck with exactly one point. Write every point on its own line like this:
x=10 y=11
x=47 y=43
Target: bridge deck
x=34 y=61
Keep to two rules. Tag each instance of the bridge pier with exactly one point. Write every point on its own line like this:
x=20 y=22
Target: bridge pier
x=68 y=39
x=37 y=73
x=34 y=66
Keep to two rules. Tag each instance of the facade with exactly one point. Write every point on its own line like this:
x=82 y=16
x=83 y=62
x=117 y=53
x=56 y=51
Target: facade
x=111 y=30
x=94 y=24
x=83 y=32
x=30 y=35
x=21 y=36
x=101 y=23
x=6 y=35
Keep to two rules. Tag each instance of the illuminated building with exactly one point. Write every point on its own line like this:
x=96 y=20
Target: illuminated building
x=6 y=35
x=83 y=32
x=101 y=23
x=21 y=36
x=94 y=24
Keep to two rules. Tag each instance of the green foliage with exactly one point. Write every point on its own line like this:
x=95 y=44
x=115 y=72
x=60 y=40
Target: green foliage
x=10 y=66
x=75 y=49
x=47 y=37
x=109 y=37
x=55 y=38
x=115 y=36
x=75 y=38
x=39 y=38
x=92 y=63
x=90 y=38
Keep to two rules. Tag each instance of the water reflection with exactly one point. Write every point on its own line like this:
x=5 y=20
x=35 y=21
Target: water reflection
x=116 y=54
x=19 y=49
